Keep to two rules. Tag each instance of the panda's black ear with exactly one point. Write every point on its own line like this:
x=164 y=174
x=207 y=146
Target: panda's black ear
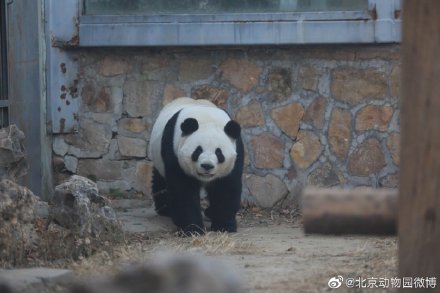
x=189 y=126
x=233 y=129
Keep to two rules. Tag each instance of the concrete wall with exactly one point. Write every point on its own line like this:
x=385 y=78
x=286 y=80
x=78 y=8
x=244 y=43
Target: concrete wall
x=321 y=115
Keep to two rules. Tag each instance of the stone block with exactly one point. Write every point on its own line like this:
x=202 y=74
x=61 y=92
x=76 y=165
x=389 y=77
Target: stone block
x=395 y=80
x=71 y=163
x=112 y=66
x=308 y=78
x=353 y=85
x=306 y=150
x=373 y=117
x=241 y=73
x=151 y=64
x=156 y=67
x=368 y=158
x=171 y=92
x=115 y=188
x=268 y=151
x=58 y=164
x=132 y=147
x=288 y=118
x=96 y=100
x=132 y=125
x=91 y=140
x=280 y=84
x=195 y=69
x=250 y=115
x=59 y=146
x=339 y=133
x=138 y=97
x=216 y=95
x=315 y=113
x=267 y=190
x=390 y=181
x=100 y=169
x=143 y=177
x=324 y=176
x=393 y=143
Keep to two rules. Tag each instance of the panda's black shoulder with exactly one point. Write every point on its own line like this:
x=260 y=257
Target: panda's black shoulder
x=167 y=143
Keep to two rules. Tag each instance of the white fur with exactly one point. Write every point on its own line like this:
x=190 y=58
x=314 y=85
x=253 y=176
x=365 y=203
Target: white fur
x=209 y=136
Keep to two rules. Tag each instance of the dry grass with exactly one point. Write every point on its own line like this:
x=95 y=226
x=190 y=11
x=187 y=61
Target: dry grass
x=214 y=243
x=140 y=248
x=35 y=244
x=380 y=262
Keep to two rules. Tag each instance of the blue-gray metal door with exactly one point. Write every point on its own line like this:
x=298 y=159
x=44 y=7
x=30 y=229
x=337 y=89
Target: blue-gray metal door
x=24 y=93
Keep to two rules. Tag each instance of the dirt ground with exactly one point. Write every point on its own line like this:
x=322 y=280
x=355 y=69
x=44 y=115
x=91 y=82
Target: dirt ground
x=270 y=251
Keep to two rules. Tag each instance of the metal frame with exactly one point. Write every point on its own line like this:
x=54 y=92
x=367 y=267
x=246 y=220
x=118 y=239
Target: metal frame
x=61 y=18
x=380 y=24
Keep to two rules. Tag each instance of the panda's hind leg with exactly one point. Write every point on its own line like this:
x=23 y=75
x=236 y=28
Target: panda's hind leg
x=160 y=194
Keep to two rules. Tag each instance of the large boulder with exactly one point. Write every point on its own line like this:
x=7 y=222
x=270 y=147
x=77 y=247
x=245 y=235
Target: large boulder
x=13 y=162
x=17 y=232
x=78 y=206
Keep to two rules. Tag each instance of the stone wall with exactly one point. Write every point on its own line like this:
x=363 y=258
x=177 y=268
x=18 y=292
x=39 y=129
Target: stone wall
x=321 y=115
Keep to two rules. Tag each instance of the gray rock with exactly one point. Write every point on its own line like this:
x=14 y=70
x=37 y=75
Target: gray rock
x=71 y=163
x=13 y=162
x=267 y=190
x=17 y=204
x=170 y=273
x=33 y=280
x=59 y=146
x=41 y=209
x=77 y=205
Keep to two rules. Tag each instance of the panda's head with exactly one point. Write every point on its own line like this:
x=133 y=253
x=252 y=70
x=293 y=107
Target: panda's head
x=207 y=152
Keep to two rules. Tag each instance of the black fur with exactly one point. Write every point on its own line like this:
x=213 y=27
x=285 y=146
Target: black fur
x=181 y=201
x=183 y=191
x=219 y=154
x=233 y=129
x=160 y=196
x=224 y=196
x=196 y=154
x=189 y=126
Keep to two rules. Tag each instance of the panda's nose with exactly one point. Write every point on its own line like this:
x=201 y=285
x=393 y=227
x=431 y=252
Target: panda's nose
x=207 y=167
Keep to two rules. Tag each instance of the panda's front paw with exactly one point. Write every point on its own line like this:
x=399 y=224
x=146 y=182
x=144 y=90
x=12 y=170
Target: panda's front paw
x=224 y=227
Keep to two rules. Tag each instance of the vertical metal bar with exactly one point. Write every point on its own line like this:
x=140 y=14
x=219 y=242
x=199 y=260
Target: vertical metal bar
x=3 y=50
x=4 y=112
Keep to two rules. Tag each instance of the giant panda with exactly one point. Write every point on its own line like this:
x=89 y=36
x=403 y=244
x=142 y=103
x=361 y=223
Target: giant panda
x=195 y=146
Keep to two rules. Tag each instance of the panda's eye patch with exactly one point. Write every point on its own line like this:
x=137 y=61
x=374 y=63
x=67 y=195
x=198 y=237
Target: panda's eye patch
x=195 y=155
x=219 y=154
